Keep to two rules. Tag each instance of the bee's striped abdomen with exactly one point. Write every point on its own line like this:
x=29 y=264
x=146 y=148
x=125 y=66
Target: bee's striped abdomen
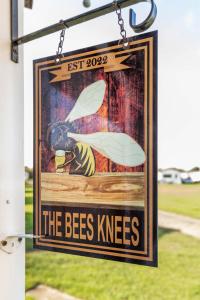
x=85 y=160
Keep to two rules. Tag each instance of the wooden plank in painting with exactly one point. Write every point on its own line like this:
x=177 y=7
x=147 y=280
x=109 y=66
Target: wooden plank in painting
x=107 y=188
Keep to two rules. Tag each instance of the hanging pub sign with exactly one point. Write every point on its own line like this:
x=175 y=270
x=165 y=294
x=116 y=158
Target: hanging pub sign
x=95 y=183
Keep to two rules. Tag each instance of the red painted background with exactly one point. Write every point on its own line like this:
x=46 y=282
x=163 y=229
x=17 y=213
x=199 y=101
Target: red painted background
x=122 y=109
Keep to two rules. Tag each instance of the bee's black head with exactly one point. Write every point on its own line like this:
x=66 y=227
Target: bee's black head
x=57 y=136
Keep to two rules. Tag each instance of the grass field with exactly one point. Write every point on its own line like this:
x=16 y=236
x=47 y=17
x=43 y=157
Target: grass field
x=90 y=279
x=180 y=199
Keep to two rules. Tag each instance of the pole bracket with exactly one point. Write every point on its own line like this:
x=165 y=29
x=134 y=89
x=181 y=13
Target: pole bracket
x=11 y=243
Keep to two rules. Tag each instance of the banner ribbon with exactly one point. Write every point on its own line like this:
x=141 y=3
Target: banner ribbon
x=108 y=61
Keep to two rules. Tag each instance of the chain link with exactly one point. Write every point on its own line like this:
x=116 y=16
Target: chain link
x=125 y=42
x=121 y=24
x=59 y=54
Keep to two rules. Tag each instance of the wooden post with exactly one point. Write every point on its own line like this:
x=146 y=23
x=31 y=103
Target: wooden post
x=12 y=266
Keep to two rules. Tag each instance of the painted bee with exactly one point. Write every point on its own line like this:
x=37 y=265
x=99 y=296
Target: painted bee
x=78 y=148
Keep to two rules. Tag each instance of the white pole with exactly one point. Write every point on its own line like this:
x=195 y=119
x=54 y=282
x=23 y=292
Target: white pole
x=12 y=266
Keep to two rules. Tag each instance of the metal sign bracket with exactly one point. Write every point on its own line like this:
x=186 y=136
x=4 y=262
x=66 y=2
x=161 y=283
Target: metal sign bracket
x=10 y=244
x=92 y=14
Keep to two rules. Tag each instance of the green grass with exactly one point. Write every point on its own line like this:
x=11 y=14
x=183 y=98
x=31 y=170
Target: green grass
x=180 y=199
x=29 y=215
x=176 y=278
x=91 y=279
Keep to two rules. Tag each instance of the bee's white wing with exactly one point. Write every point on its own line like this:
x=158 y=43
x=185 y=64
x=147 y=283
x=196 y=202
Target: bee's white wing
x=89 y=101
x=119 y=147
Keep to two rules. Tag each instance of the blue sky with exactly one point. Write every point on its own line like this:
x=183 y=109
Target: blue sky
x=178 y=24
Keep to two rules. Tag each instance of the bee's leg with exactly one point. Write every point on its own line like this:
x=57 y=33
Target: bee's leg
x=79 y=165
x=69 y=161
x=76 y=167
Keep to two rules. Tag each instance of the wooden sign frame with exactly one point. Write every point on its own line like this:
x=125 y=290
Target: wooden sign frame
x=72 y=219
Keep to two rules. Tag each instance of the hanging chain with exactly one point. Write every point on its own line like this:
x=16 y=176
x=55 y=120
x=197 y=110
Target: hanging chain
x=59 y=54
x=121 y=24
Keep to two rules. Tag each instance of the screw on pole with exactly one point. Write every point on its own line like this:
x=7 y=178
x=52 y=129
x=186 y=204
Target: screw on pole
x=28 y=4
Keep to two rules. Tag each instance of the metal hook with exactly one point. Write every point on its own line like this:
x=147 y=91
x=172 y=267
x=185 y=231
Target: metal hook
x=147 y=22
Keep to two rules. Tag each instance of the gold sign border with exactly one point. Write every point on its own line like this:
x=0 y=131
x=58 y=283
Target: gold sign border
x=148 y=213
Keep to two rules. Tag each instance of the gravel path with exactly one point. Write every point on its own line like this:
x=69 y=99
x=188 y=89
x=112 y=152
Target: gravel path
x=184 y=224
x=42 y=292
